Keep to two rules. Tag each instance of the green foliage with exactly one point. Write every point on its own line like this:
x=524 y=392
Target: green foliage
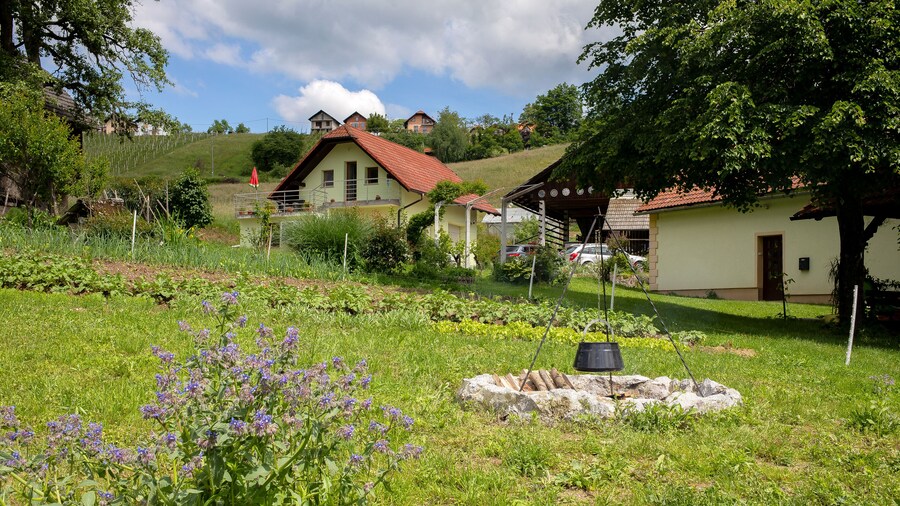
x=282 y=146
x=487 y=248
x=527 y=231
x=656 y=417
x=448 y=139
x=879 y=414
x=689 y=337
x=557 y=113
x=744 y=98
x=117 y=225
x=38 y=156
x=226 y=432
x=36 y=219
x=189 y=200
x=242 y=129
x=386 y=248
x=406 y=138
x=220 y=126
x=135 y=192
x=528 y=458
x=323 y=236
x=547 y=267
x=89 y=47
x=377 y=123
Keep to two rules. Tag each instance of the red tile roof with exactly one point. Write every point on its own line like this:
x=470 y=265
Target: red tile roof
x=673 y=198
x=415 y=171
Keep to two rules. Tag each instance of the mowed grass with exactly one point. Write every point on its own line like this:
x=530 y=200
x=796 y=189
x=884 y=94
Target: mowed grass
x=789 y=444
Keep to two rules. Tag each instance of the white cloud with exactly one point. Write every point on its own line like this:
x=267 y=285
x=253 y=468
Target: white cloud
x=330 y=97
x=521 y=47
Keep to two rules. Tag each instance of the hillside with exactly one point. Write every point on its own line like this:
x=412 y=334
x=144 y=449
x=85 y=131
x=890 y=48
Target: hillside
x=166 y=156
x=509 y=170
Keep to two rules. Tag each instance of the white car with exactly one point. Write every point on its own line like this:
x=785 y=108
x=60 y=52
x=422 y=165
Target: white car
x=594 y=252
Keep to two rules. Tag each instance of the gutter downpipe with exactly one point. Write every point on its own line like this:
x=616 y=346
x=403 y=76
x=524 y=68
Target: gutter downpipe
x=421 y=198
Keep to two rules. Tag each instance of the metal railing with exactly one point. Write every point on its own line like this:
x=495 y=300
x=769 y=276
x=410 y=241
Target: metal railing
x=286 y=202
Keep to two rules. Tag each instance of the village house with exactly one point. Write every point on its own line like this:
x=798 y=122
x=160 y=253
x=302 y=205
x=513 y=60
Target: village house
x=419 y=123
x=352 y=169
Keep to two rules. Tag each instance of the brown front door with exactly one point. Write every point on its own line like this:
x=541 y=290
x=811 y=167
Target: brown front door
x=772 y=268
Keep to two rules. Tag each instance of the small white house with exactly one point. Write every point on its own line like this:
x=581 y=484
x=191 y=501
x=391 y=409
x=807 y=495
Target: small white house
x=699 y=247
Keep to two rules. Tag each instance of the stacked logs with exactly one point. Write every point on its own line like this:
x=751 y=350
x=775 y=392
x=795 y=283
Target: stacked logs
x=536 y=381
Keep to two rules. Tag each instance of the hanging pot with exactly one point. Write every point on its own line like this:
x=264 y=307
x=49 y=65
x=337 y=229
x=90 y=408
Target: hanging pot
x=598 y=357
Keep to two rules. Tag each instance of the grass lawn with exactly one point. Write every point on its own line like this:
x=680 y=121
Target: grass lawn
x=790 y=443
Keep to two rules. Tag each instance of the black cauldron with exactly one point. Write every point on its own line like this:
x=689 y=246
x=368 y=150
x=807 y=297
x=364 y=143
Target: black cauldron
x=598 y=357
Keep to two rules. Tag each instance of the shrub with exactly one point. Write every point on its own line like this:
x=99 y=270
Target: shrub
x=548 y=266
x=487 y=247
x=386 y=248
x=116 y=225
x=234 y=428
x=323 y=236
x=189 y=200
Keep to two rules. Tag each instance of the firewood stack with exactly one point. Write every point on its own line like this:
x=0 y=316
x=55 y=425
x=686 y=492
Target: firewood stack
x=536 y=381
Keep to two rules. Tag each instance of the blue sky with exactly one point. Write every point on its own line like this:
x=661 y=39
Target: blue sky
x=285 y=60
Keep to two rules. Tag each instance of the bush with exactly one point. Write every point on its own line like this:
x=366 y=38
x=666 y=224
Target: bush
x=386 y=248
x=116 y=225
x=234 y=428
x=189 y=200
x=323 y=236
x=30 y=217
x=548 y=266
x=487 y=248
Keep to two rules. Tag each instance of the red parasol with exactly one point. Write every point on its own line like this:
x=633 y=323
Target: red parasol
x=254 y=179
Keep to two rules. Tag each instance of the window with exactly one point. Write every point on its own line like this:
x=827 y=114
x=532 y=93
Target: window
x=355 y=124
x=371 y=175
x=328 y=178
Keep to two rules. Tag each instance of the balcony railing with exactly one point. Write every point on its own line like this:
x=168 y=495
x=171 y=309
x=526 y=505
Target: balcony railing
x=280 y=203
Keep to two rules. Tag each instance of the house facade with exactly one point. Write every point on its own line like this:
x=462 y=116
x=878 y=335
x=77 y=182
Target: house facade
x=698 y=247
x=352 y=169
x=357 y=120
x=322 y=122
x=419 y=123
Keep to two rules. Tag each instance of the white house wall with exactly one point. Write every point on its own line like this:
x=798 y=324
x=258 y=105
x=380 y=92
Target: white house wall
x=704 y=249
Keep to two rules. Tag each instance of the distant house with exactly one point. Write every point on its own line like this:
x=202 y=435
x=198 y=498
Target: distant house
x=698 y=247
x=115 y=124
x=419 y=123
x=322 y=122
x=350 y=168
x=356 y=120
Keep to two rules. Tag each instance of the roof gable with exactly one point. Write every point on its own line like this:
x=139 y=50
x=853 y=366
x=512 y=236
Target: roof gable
x=322 y=115
x=415 y=171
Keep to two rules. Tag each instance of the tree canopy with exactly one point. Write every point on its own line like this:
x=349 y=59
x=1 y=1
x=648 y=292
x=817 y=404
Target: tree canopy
x=449 y=139
x=89 y=47
x=556 y=113
x=282 y=146
x=745 y=98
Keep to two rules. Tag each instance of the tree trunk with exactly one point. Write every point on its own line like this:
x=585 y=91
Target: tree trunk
x=851 y=270
x=6 y=28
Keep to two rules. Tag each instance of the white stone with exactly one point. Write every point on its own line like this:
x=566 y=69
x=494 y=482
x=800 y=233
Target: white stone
x=591 y=396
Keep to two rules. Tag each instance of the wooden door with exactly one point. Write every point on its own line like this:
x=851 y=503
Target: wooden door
x=772 y=267
x=350 y=182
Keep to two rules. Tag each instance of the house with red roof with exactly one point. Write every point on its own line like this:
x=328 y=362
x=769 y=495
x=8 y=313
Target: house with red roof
x=350 y=168
x=419 y=123
x=357 y=120
x=699 y=247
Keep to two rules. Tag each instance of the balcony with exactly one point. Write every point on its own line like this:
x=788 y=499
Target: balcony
x=280 y=203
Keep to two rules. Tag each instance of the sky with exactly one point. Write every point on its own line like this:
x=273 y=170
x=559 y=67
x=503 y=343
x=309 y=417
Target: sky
x=270 y=62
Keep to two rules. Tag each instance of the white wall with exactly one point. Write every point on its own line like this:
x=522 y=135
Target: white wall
x=716 y=248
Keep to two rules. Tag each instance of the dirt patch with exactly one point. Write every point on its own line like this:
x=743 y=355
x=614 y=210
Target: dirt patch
x=741 y=352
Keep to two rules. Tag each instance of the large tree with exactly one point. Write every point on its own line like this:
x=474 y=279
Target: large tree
x=282 y=146
x=744 y=98
x=449 y=138
x=556 y=113
x=87 y=46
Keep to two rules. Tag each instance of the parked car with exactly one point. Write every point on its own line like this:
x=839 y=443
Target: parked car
x=594 y=252
x=519 y=250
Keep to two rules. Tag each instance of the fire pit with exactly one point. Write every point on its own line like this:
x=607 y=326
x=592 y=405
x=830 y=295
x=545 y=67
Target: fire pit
x=553 y=395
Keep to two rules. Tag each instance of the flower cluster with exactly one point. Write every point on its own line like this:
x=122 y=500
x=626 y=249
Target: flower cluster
x=225 y=412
